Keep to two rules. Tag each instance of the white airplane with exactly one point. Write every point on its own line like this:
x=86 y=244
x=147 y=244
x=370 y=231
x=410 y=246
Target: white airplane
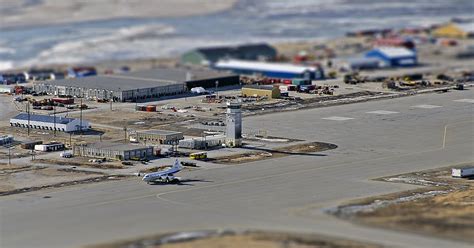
x=166 y=176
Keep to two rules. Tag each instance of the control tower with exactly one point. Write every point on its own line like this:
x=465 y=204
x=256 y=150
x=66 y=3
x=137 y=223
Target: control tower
x=233 y=124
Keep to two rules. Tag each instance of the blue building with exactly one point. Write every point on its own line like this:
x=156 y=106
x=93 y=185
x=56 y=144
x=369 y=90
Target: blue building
x=394 y=56
x=273 y=70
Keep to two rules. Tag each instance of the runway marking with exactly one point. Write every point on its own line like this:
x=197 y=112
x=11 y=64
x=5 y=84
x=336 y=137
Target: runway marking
x=382 y=112
x=464 y=100
x=446 y=130
x=337 y=118
x=426 y=106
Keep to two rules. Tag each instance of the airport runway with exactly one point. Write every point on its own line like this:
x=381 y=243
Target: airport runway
x=375 y=139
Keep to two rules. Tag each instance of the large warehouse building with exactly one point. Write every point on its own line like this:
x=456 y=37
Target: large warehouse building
x=394 y=56
x=47 y=122
x=140 y=85
x=114 y=151
x=274 y=70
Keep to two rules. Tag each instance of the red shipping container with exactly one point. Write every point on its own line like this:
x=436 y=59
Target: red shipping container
x=151 y=108
x=64 y=100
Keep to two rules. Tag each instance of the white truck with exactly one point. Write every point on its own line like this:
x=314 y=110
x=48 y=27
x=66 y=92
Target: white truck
x=462 y=172
x=66 y=154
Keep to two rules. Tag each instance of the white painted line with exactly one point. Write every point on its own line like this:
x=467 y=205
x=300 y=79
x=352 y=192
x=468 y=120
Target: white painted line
x=465 y=100
x=382 y=112
x=338 y=118
x=427 y=106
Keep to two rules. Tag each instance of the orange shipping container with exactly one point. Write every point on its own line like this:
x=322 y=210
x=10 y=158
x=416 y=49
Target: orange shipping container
x=151 y=108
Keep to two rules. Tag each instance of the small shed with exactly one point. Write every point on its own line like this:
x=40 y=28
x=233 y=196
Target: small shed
x=394 y=56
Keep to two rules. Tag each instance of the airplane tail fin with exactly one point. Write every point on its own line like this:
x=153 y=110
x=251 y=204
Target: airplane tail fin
x=177 y=165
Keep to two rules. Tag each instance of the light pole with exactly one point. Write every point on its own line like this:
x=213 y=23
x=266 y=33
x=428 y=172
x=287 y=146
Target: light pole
x=125 y=133
x=217 y=85
x=111 y=100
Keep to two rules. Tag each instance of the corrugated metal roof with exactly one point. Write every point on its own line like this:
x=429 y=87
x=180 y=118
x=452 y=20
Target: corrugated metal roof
x=43 y=118
x=259 y=87
x=262 y=66
x=139 y=79
x=175 y=74
x=116 y=146
x=115 y=83
x=393 y=52
x=160 y=132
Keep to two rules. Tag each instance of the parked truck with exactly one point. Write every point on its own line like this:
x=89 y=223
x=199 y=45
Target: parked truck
x=462 y=172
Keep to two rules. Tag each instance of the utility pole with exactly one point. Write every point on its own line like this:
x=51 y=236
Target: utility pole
x=28 y=112
x=54 y=117
x=125 y=133
x=217 y=94
x=136 y=100
x=80 y=126
x=70 y=138
x=9 y=155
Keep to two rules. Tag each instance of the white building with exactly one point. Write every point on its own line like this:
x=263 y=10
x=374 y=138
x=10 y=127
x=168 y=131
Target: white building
x=50 y=147
x=203 y=142
x=47 y=122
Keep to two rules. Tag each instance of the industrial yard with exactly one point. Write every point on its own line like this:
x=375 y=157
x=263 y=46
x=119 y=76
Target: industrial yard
x=342 y=142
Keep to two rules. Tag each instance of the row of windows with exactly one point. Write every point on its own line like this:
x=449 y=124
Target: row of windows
x=37 y=127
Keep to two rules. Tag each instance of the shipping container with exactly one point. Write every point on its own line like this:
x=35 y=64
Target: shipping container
x=64 y=100
x=300 y=81
x=151 y=108
x=140 y=108
x=30 y=145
